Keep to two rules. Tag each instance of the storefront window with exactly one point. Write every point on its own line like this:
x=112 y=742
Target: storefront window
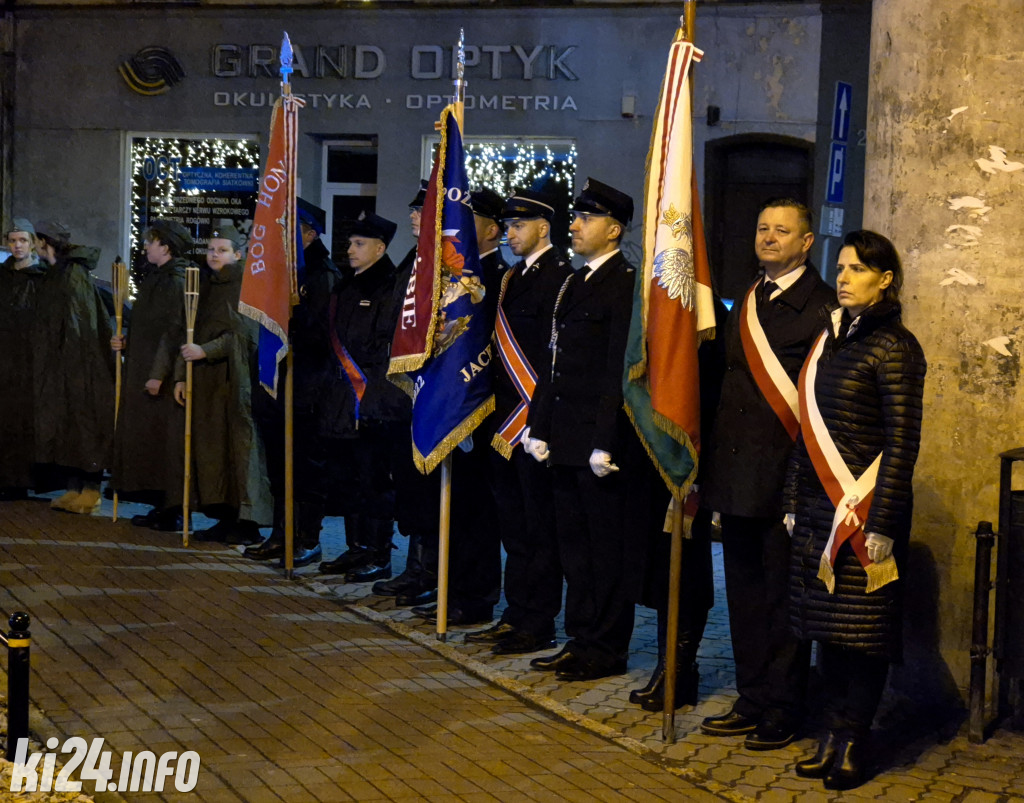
x=195 y=180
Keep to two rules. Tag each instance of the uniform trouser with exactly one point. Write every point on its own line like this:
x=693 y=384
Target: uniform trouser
x=601 y=574
x=853 y=686
x=696 y=586
x=474 y=562
x=526 y=522
x=309 y=461
x=771 y=663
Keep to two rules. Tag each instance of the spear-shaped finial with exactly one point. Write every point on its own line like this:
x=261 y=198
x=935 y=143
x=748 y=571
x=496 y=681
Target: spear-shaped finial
x=460 y=69
x=286 y=60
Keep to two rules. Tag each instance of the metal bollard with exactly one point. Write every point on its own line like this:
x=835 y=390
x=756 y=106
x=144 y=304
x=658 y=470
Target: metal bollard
x=985 y=539
x=18 y=645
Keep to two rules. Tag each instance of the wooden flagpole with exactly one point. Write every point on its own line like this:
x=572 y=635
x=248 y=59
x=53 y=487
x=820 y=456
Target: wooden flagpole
x=444 y=525
x=688 y=22
x=289 y=360
x=191 y=305
x=119 y=282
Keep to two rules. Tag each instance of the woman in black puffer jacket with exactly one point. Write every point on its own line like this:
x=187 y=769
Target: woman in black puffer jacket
x=860 y=398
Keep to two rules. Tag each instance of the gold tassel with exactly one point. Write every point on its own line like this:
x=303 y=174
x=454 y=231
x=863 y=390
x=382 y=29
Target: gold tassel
x=826 y=574
x=880 y=574
x=502 y=447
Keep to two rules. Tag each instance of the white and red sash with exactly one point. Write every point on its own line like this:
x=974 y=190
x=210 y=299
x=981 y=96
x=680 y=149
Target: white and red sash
x=522 y=375
x=771 y=378
x=851 y=496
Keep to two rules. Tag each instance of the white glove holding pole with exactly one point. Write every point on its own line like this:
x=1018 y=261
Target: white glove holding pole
x=879 y=547
x=790 y=521
x=601 y=463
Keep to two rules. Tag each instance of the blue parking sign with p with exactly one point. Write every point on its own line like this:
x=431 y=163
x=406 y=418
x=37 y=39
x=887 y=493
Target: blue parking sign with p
x=836 y=173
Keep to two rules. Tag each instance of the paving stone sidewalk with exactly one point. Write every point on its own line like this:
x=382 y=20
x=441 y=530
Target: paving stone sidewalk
x=316 y=690
x=284 y=692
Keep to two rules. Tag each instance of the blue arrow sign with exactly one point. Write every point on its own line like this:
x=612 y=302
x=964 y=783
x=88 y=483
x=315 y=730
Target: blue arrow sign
x=836 y=173
x=841 y=112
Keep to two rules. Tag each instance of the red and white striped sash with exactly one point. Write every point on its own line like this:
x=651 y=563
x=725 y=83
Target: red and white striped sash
x=522 y=375
x=851 y=495
x=771 y=378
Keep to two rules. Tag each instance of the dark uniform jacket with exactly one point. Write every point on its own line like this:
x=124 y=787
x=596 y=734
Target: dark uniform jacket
x=869 y=390
x=227 y=454
x=74 y=380
x=528 y=303
x=18 y=289
x=314 y=360
x=365 y=313
x=578 y=405
x=750 y=448
x=149 y=442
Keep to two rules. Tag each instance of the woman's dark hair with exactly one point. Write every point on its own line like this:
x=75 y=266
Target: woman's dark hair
x=60 y=247
x=878 y=253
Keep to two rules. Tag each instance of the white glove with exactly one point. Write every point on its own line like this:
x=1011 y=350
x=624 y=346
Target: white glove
x=790 y=521
x=879 y=547
x=601 y=463
x=467 y=444
x=540 y=450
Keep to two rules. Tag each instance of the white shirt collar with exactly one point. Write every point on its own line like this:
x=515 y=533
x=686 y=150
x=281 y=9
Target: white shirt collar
x=786 y=281
x=597 y=262
x=535 y=256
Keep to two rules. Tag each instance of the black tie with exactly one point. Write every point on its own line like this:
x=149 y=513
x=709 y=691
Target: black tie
x=767 y=290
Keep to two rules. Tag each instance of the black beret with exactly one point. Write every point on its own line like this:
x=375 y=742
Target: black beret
x=371 y=225
x=172 y=234
x=225 y=230
x=54 y=231
x=600 y=199
x=529 y=204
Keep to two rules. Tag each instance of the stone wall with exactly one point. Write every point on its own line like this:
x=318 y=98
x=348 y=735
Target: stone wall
x=944 y=180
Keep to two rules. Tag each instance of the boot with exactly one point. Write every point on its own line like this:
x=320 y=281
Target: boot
x=271 y=549
x=425 y=590
x=652 y=696
x=379 y=567
x=847 y=771
x=169 y=520
x=818 y=765
x=62 y=502
x=86 y=503
x=408 y=579
x=244 y=533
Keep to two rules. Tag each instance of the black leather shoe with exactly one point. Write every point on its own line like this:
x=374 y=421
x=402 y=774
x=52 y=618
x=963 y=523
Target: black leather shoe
x=404 y=584
x=732 y=724
x=425 y=611
x=847 y=770
x=146 y=519
x=371 y=571
x=520 y=642
x=588 y=670
x=271 y=549
x=687 y=680
x=424 y=598
x=821 y=762
x=769 y=735
x=217 y=534
x=304 y=557
x=347 y=561
x=168 y=523
x=491 y=635
x=457 y=617
x=563 y=659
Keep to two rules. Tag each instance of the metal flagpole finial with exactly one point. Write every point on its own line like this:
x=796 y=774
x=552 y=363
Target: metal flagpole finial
x=461 y=67
x=286 y=60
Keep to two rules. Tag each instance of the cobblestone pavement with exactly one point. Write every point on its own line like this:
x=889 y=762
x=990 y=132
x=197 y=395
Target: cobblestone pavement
x=316 y=690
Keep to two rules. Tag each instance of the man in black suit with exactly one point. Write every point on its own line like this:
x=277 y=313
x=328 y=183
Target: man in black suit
x=578 y=427
x=522 y=490
x=754 y=433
